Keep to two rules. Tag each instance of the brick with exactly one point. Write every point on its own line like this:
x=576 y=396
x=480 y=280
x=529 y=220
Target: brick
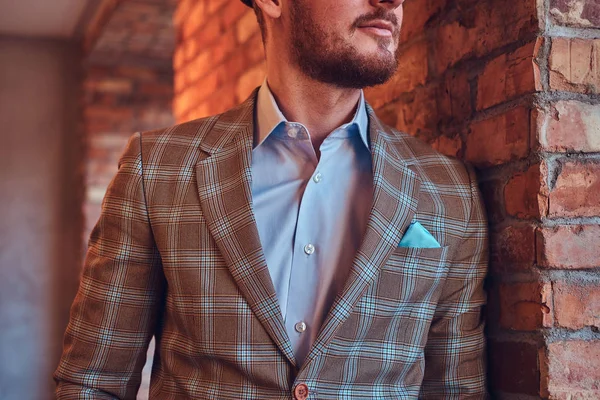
x=449 y=146
x=110 y=85
x=571 y=126
x=151 y=117
x=179 y=58
x=161 y=90
x=574 y=65
x=233 y=11
x=250 y=80
x=109 y=113
x=453 y=42
x=139 y=43
x=412 y=68
x=224 y=49
x=198 y=68
x=194 y=20
x=420 y=12
x=575 y=13
x=253 y=50
x=234 y=67
x=181 y=13
x=209 y=33
x=499 y=139
x=492 y=191
x=419 y=114
x=524 y=306
x=523 y=195
x=179 y=82
x=576 y=305
x=184 y=101
x=200 y=111
x=455 y=97
x=480 y=30
x=576 y=192
x=512 y=248
x=389 y=114
x=506 y=77
x=412 y=72
x=224 y=99
x=513 y=367
x=591 y=12
x=571 y=247
x=574 y=369
x=215 y=5
x=138 y=73
x=190 y=49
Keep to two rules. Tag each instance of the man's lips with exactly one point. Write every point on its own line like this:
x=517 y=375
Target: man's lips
x=380 y=27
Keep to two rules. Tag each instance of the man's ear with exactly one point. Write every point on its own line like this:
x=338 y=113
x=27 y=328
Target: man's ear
x=271 y=8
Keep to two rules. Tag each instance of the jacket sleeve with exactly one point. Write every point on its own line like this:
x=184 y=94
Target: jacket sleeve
x=455 y=349
x=117 y=306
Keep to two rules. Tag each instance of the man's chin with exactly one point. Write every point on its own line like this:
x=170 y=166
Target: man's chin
x=362 y=65
x=377 y=68
x=369 y=74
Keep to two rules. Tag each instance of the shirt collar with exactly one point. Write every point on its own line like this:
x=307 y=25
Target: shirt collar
x=269 y=116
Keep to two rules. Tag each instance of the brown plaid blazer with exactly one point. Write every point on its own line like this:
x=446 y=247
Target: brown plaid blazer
x=176 y=254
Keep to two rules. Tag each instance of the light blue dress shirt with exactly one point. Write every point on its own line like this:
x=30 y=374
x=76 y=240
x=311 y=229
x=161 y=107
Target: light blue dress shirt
x=311 y=213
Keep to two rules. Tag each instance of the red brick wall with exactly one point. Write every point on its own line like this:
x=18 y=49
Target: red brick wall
x=512 y=88
x=218 y=59
x=118 y=102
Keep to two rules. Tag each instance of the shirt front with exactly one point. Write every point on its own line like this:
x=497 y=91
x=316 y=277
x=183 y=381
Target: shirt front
x=311 y=212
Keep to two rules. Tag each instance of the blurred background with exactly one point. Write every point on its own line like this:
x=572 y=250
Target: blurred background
x=512 y=88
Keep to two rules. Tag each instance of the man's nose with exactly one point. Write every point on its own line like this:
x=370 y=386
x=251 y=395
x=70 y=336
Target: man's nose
x=391 y=4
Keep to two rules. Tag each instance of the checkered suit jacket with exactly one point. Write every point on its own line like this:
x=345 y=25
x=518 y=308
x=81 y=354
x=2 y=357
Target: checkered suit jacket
x=176 y=254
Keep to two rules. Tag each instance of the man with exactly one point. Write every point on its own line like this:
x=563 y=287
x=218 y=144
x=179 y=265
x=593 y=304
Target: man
x=293 y=247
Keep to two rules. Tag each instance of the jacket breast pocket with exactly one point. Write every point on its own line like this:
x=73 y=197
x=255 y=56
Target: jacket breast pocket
x=398 y=307
x=413 y=276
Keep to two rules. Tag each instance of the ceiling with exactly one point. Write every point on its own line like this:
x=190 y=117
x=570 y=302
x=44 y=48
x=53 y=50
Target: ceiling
x=137 y=32
x=112 y=32
x=58 y=19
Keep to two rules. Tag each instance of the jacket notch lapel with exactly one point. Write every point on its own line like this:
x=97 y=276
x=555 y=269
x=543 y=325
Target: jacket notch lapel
x=224 y=188
x=395 y=199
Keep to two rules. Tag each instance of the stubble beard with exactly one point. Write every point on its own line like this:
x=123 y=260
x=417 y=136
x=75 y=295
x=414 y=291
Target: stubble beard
x=330 y=59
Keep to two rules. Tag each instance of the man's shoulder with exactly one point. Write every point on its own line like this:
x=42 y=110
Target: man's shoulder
x=203 y=134
x=177 y=147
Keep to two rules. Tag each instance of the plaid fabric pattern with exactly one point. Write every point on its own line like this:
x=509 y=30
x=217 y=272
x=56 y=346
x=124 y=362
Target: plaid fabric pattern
x=176 y=254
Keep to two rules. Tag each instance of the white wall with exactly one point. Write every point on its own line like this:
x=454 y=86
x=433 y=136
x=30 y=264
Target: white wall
x=41 y=190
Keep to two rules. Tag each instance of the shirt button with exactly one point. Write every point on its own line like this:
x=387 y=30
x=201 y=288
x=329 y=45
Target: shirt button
x=301 y=392
x=300 y=327
x=309 y=249
x=293 y=132
x=318 y=177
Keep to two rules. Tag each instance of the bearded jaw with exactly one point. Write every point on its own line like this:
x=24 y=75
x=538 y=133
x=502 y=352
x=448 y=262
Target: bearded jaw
x=330 y=58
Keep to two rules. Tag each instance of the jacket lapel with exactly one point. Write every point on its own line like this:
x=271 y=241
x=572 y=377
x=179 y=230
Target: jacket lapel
x=395 y=199
x=224 y=187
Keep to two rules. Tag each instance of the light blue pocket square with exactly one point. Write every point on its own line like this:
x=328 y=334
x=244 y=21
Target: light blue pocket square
x=417 y=236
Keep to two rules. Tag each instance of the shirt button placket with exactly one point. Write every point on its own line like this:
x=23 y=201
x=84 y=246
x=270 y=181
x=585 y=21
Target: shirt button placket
x=309 y=249
x=300 y=327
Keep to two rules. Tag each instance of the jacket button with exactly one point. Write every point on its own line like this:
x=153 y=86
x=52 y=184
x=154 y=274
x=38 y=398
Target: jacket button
x=301 y=392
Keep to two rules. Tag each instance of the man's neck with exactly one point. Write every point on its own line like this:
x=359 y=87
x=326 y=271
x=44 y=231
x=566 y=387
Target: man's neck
x=318 y=106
